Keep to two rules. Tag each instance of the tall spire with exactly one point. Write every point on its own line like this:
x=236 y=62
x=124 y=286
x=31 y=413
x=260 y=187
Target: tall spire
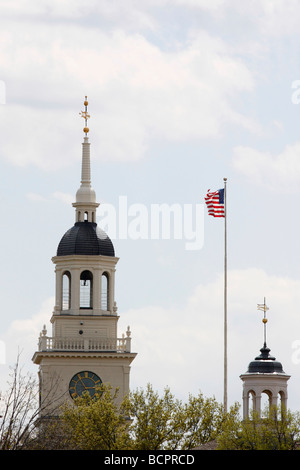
x=86 y=167
x=264 y=308
x=85 y=197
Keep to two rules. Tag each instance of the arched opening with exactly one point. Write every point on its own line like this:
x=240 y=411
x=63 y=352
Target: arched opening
x=86 y=216
x=282 y=403
x=66 y=291
x=251 y=402
x=105 y=291
x=86 y=289
x=265 y=405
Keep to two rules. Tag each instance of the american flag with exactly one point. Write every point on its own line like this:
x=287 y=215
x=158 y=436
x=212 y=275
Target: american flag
x=215 y=203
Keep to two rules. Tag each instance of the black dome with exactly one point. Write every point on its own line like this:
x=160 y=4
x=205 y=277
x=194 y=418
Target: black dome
x=85 y=238
x=265 y=364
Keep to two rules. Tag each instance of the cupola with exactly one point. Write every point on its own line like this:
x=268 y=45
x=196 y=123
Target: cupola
x=265 y=375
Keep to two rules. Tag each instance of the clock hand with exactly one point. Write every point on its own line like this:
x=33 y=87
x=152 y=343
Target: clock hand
x=82 y=383
x=85 y=386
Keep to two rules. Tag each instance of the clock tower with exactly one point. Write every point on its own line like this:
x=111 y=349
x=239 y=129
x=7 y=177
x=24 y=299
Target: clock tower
x=84 y=349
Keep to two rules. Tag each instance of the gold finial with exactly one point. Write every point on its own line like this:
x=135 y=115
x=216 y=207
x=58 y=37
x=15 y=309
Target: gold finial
x=85 y=115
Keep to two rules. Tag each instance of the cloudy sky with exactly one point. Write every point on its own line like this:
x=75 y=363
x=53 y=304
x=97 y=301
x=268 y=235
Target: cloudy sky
x=182 y=93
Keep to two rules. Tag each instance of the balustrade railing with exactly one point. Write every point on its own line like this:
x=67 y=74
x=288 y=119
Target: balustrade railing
x=47 y=343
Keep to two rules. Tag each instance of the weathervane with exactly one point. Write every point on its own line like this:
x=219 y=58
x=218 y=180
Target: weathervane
x=85 y=115
x=264 y=308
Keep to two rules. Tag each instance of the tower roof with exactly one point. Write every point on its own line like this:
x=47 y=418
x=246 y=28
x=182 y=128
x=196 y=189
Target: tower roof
x=85 y=238
x=265 y=363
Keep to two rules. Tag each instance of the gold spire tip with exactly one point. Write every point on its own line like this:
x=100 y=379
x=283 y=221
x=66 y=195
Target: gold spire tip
x=85 y=115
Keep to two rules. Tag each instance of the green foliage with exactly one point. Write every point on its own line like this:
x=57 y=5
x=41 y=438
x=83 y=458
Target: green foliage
x=156 y=422
x=165 y=423
x=143 y=420
x=276 y=430
x=96 y=423
x=203 y=421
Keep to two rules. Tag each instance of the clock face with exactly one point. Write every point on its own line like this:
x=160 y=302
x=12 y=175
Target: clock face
x=84 y=382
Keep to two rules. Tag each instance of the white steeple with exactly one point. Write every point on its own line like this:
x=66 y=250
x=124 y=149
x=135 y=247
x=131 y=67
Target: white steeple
x=84 y=348
x=85 y=197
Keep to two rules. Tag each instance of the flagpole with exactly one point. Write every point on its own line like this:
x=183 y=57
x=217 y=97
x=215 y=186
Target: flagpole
x=225 y=298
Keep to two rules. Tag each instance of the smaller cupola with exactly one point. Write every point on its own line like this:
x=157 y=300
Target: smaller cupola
x=265 y=375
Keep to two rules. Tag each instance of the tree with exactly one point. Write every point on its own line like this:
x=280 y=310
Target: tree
x=157 y=422
x=143 y=421
x=276 y=430
x=166 y=423
x=19 y=410
x=95 y=423
x=204 y=419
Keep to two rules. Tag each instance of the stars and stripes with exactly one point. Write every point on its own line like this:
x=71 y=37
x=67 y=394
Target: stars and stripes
x=215 y=203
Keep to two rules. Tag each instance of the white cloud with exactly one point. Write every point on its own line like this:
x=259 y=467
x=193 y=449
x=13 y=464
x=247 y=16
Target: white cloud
x=23 y=333
x=136 y=92
x=75 y=9
x=21 y=339
x=53 y=8
x=57 y=195
x=281 y=171
x=201 y=4
x=277 y=18
x=35 y=137
x=273 y=18
x=36 y=197
x=64 y=197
